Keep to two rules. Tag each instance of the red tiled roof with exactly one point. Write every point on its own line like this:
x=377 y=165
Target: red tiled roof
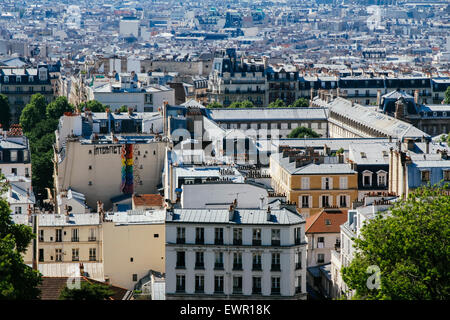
x=149 y=200
x=316 y=223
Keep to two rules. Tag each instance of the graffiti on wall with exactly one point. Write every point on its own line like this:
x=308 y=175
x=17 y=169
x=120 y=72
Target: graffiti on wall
x=127 y=169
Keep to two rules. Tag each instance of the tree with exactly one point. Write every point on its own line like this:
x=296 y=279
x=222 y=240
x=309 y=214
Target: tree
x=302 y=132
x=123 y=109
x=87 y=291
x=277 y=104
x=242 y=104
x=447 y=96
x=56 y=108
x=17 y=280
x=33 y=112
x=300 y=103
x=5 y=112
x=410 y=246
x=94 y=106
x=214 y=105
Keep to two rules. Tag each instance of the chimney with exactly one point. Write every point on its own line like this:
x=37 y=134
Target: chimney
x=261 y=203
x=265 y=62
x=378 y=97
x=416 y=96
x=130 y=111
x=269 y=214
x=231 y=213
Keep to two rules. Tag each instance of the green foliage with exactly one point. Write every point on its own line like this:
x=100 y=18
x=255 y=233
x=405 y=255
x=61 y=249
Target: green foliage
x=242 y=104
x=277 y=104
x=57 y=108
x=17 y=280
x=447 y=96
x=94 y=106
x=87 y=291
x=340 y=151
x=214 y=105
x=302 y=132
x=300 y=103
x=411 y=248
x=5 y=112
x=123 y=109
x=33 y=112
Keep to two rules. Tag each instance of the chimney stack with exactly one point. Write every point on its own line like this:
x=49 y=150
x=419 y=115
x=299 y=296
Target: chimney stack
x=269 y=214
x=416 y=96
x=231 y=213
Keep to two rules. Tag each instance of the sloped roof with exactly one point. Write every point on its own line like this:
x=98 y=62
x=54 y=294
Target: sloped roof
x=150 y=200
x=316 y=223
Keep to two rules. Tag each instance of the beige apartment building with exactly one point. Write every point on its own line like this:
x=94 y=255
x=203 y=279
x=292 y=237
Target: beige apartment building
x=314 y=186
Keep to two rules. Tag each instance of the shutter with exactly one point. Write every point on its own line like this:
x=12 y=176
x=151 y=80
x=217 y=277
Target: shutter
x=310 y=201
x=331 y=183
x=320 y=201
x=348 y=201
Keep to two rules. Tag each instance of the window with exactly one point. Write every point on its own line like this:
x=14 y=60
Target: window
x=298 y=260
x=275 y=285
x=275 y=237
x=180 y=260
x=41 y=255
x=343 y=201
x=325 y=201
x=181 y=283
x=328 y=222
x=14 y=171
x=381 y=178
x=155 y=235
x=237 y=261
x=27 y=173
x=256 y=237
x=446 y=175
x=237 y=284
x=218 y=284
x=6 y=79
x=92 y=235
x=199 y=260
x=199 y=235
x=257 y=266
x=305 y=183
x=256 y=285
x=327 y=183
x=18 y=210
x=237 y=236
x=218 y=262
x=41 y=235
x=425 y=175
x=134 y=277
x=320 y=258
x=92 y=254
x=58 y=235
x=367 y=178
x=298 y=235
x=321 y=242
x=275 y=262
x=58 y=254
x=199 y=283
x=181 y=235
x=13 y=156
x=305 y=201
x=75 y=254
x=298 y=286
x=218 y=235
x=75 y=235
x=343 y=183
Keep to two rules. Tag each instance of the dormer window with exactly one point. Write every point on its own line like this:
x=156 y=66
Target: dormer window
x=367 y=178
x=30 y=79
x=18 y=79
x=6 y=79
x=381 y=178
x=42 y=74
x=425 y=175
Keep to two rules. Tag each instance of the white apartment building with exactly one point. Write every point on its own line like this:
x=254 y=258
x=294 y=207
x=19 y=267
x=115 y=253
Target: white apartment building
x=343 y=255
x=235 y=253
x=129 y=26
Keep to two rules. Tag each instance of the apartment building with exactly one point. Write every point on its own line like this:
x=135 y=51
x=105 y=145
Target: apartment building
x=235 y=253
x=106 y=155
x=313 y=180
x=19 y=84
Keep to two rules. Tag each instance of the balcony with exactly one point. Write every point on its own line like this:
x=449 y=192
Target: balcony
x=298 y=241
x=298 y=289
x=256 y=290
x=237 y=290
x=181 y=240
x=256 y=242
x=180 y=266
x=276 y=242
x=200 y=290
x=275 y=267
x=199 y=266
x=257 y=267
x=75 y=239
x=218 y=241
x=180 y=289
x=237 y=242
x=218 y=290
x=298 y=266
x=92 y=239
x=92 y=258
x=199 y=240
x=275 y=291
x=237 y=266
x=218 y=266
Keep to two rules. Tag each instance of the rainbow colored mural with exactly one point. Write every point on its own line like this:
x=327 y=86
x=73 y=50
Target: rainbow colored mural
x=127 y=169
